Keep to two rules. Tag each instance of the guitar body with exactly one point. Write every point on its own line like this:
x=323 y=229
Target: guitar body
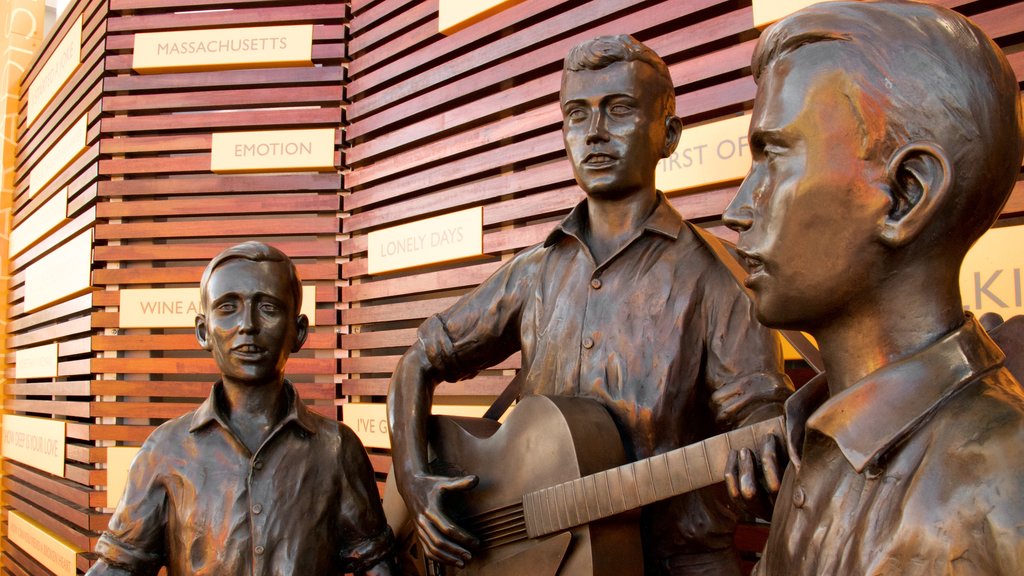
x=544 y=441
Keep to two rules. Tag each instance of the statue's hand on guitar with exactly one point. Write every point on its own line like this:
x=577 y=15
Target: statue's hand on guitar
x=755 y=479
x=442 y=539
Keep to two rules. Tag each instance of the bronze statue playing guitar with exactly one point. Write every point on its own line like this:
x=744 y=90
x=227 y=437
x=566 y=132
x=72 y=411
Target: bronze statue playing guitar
x=623 y=304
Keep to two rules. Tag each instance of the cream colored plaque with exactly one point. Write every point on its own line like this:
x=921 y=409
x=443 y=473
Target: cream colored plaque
x=223 y=49
x=707 y=154
x=38 y=442
x=370 y=421
x=273 y=150
x=454 y=15
x=36 y=362
x=49 y=550
x=177 y=307
x=119 y=460
x=43 y=221
x=63 y=272
x=768 y=11
x=70 y=145
x=990 y=277
x=439 y=239
x=55 y=73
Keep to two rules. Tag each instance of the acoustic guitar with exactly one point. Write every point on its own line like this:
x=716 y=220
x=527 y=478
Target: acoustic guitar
x=556 y=494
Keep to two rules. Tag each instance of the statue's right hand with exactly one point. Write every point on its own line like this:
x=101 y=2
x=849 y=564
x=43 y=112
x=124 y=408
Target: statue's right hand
x=442 y=539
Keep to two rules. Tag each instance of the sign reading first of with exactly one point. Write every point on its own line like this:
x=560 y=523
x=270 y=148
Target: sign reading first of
x=59 y=67
x=707 y=154
x=38 y=442
x=223 y=49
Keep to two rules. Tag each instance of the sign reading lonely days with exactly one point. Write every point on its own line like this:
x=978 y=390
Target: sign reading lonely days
x=49 y=550
x=273 y=150
x=707 y=154
x=38 y=442
x=223 y=49
x=177 y=307
x=439 y=239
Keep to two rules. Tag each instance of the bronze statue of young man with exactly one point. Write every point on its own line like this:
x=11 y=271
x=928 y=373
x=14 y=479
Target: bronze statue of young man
x=885 y=139
x=251 y=482
x=622 y=303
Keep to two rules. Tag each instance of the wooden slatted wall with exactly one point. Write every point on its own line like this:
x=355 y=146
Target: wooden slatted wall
x=145 y=190
x=439 y=123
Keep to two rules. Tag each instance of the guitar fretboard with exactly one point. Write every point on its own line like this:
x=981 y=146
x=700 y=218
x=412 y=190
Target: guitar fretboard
x=630 y=486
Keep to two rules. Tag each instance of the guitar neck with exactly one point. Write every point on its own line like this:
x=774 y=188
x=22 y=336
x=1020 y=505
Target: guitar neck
x=630 y=486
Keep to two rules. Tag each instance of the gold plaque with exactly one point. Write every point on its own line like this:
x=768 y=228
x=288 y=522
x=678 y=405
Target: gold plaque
x=56 y=72
x=38 y=442
x=454 y=15
x=43 y=221
x=223 y=49
x=370 y=420
x=63 y=272
x=707 y=154
x=36 y=362
x=768 y=11
x=273 y=150
x=70 y=145
x=990 y=277
x=48 y=549
x=439 y=239
x=177 y=307
x=119 y=460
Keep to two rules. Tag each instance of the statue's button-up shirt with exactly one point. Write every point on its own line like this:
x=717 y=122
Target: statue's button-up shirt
x=660 y=333
x=200 y=503
x=916 y=470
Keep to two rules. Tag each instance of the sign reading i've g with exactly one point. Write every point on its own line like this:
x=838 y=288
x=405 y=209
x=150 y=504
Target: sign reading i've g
x=223 y=49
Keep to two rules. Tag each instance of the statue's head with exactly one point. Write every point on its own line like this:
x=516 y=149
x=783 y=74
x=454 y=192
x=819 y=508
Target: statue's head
x=618 y=110
x=885 y=137
x=250 y=297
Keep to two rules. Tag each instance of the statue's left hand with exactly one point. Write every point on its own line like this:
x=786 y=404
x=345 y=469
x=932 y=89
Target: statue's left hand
x=756 y=478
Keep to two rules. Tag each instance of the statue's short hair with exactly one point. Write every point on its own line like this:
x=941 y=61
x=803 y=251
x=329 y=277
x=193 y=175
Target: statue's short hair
x=254 y=252
x=928 y=73
x=603 y=51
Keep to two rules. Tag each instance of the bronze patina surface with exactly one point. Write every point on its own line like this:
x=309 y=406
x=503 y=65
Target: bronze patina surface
x=252 y=482
x=886 y=138
x=623 y=304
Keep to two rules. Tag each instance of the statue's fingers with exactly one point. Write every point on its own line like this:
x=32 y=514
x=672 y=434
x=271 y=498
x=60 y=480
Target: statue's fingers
x=731 y=473
x=770 y=464
x=438 y=547
x=748 y=478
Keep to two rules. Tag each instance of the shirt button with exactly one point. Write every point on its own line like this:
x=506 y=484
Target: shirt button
x=595 y=284
x=799 y=497
x=588 y=343
x=258 y=465
x=256 y=509
x=259 y=550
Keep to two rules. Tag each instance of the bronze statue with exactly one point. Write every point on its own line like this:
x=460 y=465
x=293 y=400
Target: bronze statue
x=251 y=482
x=885 y=138
x=622 y=304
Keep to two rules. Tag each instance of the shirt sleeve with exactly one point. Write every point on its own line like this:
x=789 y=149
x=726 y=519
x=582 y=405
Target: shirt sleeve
x=366 y=537
x=134 y=540
x=744 y=369
x=482 y=328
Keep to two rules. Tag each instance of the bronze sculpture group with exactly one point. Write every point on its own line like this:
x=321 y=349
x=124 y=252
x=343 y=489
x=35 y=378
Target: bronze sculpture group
x=886 y=138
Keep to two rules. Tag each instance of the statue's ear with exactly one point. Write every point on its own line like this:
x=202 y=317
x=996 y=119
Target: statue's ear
x=919 y=179
x=301 y=332
x=673 y=128
x=201 y=334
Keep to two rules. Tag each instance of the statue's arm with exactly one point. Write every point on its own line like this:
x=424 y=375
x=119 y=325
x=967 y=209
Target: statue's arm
x=132 y=545
x=482 y=328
